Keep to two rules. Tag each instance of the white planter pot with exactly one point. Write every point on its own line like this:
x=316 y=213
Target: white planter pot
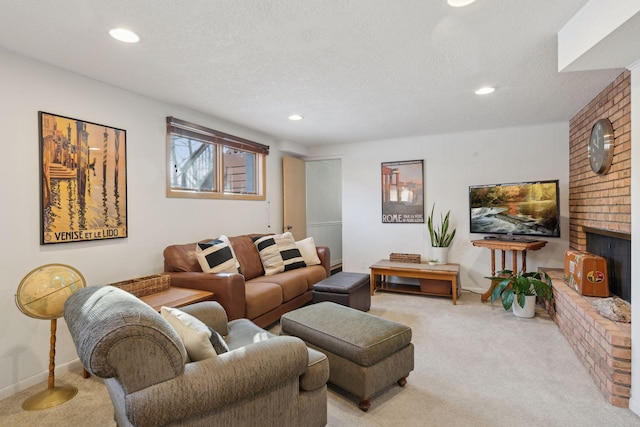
x=529 y=309
x=441 y=254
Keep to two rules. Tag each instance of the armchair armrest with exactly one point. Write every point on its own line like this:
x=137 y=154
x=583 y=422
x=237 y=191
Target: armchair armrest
x=210 y=313
x=218 y=382
x=228 y=289
x=113 y=331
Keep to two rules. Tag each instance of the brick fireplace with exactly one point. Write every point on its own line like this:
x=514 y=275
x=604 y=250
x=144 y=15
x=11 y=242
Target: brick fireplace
x=599 y=204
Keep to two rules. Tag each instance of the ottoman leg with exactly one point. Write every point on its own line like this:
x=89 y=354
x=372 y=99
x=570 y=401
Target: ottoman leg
x=402 y=381
x=364 y=405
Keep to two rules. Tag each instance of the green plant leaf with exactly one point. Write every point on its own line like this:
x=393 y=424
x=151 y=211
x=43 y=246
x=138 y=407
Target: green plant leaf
x=439 y=234
x=521 y=300
x=498 y=289
x=507 y=298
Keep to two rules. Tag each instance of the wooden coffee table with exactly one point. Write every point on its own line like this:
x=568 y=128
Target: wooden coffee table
x=443 y=272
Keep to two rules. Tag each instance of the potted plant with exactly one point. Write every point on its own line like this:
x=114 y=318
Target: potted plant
x=441 y=236
x=519 y=290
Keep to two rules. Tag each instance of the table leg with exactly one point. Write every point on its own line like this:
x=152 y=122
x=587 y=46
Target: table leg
x=372 y=284
x=524 y=260
x=493 y=262
x=454 y=289
x=485 y=296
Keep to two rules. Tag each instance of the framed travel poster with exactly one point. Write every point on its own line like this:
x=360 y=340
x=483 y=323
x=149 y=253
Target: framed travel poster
x=83 y=180
x=403 y=192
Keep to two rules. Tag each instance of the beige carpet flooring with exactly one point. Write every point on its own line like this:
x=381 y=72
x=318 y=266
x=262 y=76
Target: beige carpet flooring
x=475 y=365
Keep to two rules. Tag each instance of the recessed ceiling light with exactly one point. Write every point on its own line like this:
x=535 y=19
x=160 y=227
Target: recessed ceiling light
x=459 y=3
x=485 y=90
x=295 y=117
x=124 y=35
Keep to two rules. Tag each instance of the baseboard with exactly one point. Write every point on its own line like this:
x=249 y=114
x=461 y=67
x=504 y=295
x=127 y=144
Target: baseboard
x=634 y=406
x=475 y=290
x=39 y=378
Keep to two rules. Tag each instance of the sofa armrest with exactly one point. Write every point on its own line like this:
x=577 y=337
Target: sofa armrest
x=325 y=258
x=228 y=289
x=218 y=382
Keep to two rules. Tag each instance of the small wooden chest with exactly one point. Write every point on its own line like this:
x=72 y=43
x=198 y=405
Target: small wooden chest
x=586 y=273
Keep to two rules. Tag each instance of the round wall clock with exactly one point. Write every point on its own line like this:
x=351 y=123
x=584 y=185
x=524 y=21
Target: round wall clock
x=601 y=146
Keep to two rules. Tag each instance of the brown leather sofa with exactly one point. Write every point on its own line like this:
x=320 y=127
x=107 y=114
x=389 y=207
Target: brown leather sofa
x=252 y=295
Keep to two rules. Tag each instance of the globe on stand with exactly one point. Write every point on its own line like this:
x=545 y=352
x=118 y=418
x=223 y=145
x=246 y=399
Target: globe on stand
x=41 y=295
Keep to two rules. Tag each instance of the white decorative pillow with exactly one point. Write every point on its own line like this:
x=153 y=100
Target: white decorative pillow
x=279 y=253
x=307 y=248
x=216 y=256
x=194 y=333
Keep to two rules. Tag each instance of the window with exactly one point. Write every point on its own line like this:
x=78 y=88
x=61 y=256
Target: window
x=205 y=163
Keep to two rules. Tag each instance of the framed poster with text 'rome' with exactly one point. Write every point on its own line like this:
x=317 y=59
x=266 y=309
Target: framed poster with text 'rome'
x=403 y=192
x=83 y=180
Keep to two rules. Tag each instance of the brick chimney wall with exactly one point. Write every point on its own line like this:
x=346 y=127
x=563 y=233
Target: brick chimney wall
x=601 y=201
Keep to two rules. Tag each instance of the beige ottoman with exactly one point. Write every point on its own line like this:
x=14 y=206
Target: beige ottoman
x=366 y=353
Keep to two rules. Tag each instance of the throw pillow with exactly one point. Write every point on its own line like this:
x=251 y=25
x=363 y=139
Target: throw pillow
x=307 y=248
x=216 y=256
x=279 y=253
x=219 y=344
x=226 y=239
x=194 y=333
x=269 y=255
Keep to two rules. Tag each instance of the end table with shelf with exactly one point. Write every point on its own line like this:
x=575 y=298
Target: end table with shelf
x=440 y=274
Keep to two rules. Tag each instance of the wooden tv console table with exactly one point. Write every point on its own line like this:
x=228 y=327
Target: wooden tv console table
x=514 y=246
x=442 y=272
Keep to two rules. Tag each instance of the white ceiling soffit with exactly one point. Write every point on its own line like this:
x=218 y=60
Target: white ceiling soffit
x=357 y=70
x=603 y=34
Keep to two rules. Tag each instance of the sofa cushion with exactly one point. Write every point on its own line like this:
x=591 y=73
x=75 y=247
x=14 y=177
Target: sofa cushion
x=261 y=298
x=216 y=256
x=295 y=282
x=247 y=255
x=308 y=250
x=279 y=253
x=194 y=333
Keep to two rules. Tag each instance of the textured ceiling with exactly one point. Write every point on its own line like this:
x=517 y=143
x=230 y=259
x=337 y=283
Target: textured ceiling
x=357 y=70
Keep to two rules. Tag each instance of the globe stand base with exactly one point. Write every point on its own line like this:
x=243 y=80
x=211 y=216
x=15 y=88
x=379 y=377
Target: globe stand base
x=49 y=397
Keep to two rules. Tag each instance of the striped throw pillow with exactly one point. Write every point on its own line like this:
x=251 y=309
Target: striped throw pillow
x=216 y=256
x=279 y=253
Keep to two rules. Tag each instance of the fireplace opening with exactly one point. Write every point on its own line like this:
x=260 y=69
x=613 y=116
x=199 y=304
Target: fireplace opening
x=615 y=247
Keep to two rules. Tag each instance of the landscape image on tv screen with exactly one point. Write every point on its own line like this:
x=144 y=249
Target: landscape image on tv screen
x=526 y=208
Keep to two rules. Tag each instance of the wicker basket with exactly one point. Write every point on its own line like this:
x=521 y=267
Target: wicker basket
x=147 y=285
x=412 y=258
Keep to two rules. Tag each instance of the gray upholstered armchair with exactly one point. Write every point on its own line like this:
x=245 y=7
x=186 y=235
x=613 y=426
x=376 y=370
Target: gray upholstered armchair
x=262 y=380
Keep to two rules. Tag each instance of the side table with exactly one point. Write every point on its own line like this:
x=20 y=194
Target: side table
x=514 y=246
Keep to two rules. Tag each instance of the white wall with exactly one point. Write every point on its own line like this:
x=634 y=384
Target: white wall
x=154 y=220
x=453 y=162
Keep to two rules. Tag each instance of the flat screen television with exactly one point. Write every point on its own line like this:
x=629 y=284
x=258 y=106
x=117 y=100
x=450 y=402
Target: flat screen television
x=522 y=208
